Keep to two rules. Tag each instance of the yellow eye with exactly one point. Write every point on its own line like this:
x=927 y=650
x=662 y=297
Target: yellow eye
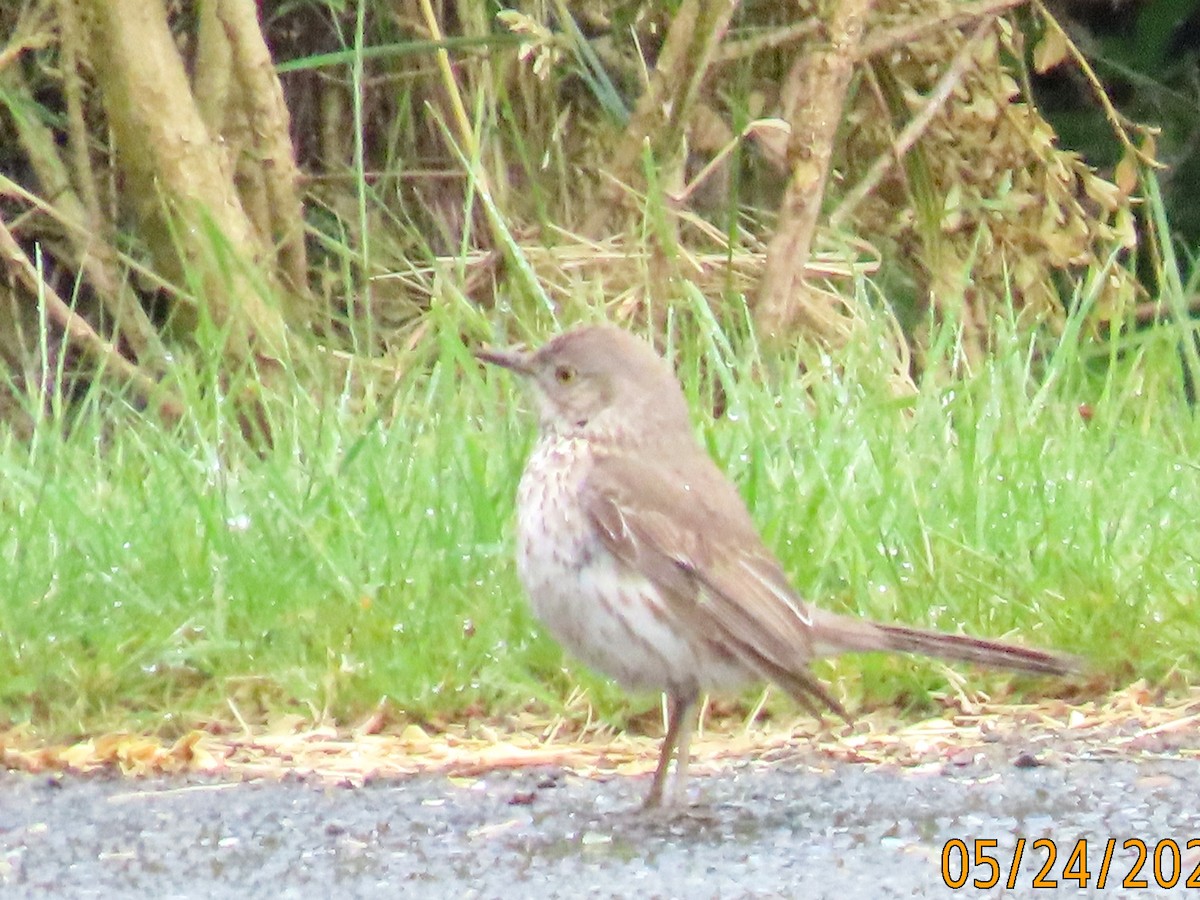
x=564 y=374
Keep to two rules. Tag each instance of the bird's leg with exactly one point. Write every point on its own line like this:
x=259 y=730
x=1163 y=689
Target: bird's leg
x=675 y=744
x=685 y=726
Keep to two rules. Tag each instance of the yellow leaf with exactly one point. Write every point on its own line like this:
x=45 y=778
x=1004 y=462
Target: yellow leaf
x=1105 y=193
x=984 y=108
x=1126 y=175
x=1150 y=147
x=81 y=756
x=1124 y=227
x=1050 y=51
x=414 y=734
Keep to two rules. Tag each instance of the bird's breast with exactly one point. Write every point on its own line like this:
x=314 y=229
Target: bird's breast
x=554 y=537
x=609 y=615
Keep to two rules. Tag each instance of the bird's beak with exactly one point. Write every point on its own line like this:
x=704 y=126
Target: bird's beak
x=518 y=361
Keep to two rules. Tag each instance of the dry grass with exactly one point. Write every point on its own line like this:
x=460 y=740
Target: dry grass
x=1133 y=723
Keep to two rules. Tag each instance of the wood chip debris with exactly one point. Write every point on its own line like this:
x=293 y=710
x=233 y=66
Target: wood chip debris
x=1134 y=722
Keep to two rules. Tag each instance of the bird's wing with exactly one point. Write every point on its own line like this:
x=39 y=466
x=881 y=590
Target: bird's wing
x=696 y=541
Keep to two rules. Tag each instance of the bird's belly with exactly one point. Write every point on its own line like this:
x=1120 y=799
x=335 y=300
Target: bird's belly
x=602 y=611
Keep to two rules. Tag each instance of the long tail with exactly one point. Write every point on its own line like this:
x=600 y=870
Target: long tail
x=842 y=634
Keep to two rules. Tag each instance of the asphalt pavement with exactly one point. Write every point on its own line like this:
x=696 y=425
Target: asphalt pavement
x=791 y=829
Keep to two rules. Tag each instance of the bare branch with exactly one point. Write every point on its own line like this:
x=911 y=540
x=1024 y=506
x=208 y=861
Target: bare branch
x=262 y=96
x=82 y=335
x=817 y=84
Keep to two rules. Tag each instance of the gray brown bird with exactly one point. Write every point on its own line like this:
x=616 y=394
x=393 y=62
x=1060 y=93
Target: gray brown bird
x=640 y=557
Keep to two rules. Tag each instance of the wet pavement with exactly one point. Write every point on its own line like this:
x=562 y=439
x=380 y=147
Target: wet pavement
x=783 y=830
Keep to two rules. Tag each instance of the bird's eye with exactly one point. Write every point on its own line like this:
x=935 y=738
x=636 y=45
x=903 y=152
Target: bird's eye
x=564 y=374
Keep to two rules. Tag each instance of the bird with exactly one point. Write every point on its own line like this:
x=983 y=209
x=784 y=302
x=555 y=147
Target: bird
x=640 y=557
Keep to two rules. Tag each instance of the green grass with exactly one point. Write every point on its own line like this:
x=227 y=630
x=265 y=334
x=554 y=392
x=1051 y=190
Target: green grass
x=157 y=580
x=153 y=579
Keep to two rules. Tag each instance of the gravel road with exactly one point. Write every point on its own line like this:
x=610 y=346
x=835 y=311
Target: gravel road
x=782 y=830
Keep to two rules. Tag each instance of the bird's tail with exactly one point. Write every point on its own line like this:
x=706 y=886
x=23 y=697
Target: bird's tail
x=843 y=634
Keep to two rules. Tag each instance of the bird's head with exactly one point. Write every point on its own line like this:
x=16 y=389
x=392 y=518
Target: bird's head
x=598 y=378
